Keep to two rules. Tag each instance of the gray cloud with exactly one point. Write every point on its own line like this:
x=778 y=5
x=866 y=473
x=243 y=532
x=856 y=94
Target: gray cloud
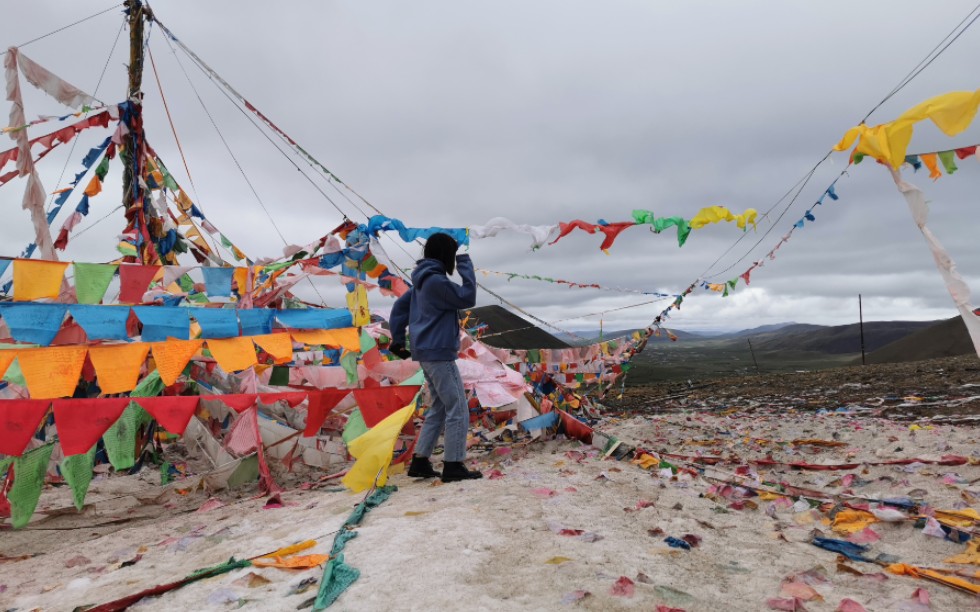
x=447 y=113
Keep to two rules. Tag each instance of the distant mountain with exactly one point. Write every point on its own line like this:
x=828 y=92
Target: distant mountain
x=607 y=334
x=836 y=340
x=943 y=339
x=762 y=329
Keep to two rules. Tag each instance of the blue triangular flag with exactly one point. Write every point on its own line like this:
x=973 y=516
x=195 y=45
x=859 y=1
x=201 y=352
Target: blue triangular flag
x=34 y=323
x=161 y=322
x=102 y=322
x=217 y=322
x=217 y=281
x=256 y=322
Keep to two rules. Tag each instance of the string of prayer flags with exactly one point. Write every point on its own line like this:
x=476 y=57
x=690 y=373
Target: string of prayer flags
x=888 y=142
x=932 y=161
x=33 y=323
x=92 y=280
x=717 y=214
x=571 y=284
x=378 y=403
x=37 y=279
x=19 y=420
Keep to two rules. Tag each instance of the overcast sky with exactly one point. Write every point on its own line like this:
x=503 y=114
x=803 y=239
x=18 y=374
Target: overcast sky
x=450 y=113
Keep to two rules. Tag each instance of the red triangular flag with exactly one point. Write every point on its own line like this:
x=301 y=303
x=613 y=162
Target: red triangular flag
x=371 y=358
x=378 y=403
x=322 y=402
x=575 y=428
x=239 y=402
x=293 y=398
x=173 y=412
x=81 y=422
x=19 y=419
x=133 y=282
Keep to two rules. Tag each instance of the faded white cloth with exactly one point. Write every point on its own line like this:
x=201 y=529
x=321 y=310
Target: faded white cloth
x=957 y=288
x=53 y=85
x=540 y=234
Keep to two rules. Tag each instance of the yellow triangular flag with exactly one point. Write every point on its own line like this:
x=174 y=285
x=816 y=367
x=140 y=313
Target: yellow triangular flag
x=373 y=451
x=117 y=366
x=34 y=280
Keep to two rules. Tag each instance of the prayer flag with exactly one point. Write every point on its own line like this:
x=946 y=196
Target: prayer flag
x=320 y=404
x=373 y=451
x=233 y=354
x=171 y=357
x=217 y=281
x=35 y=280
x=173 y=412
x=133 y=282
x=256 y=321
x=81 y=422
x=162 y=322
x=92 y=280
x=314 y=318
x=102 y=322
x=217 y=322
x=280 y=346
x=380 y=402
x=34 y=323
x=117 y=366
x=338 y=338
x=52 y=372
x=19 y=420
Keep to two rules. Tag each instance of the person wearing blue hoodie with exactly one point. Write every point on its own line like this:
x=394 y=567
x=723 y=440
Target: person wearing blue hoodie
x=429 y=311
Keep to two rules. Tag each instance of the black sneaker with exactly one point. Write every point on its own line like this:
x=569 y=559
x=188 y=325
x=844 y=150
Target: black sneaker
x=421 y=467
x=453 y=471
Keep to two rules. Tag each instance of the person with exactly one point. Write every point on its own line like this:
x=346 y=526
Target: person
x=429 y=311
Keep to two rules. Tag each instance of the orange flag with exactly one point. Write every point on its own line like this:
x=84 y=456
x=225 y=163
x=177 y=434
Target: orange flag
x=53 y=371
x=233 y=354
x=280 y=346
x=171 y=357
x=6 y=358
x=118 y=365
x=346 y=337
x=35 y=279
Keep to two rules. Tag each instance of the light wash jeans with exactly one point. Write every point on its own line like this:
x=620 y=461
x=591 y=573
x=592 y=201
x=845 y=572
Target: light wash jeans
x=448 y=411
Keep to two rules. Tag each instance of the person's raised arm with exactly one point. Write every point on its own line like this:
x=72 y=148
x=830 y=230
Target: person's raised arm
x=461 y=296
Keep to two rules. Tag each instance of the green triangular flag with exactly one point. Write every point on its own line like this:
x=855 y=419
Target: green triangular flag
x=279 y=377
x=77 y=471
x=29 y=470
x=355 y=426
x=415 y=379
x=92 y=280
x=367 y=342
x=948 y=160
x=348 y=361
x=120 y=438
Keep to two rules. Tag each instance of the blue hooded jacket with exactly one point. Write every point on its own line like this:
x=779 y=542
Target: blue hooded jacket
x=429 y=309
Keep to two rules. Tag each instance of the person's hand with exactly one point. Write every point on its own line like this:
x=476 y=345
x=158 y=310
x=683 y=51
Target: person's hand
x=398 y=350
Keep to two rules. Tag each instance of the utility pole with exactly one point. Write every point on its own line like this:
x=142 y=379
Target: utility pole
x=861 y=327
x=754 y=360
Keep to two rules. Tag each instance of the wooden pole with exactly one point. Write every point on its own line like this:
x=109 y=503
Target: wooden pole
x=864 y=360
